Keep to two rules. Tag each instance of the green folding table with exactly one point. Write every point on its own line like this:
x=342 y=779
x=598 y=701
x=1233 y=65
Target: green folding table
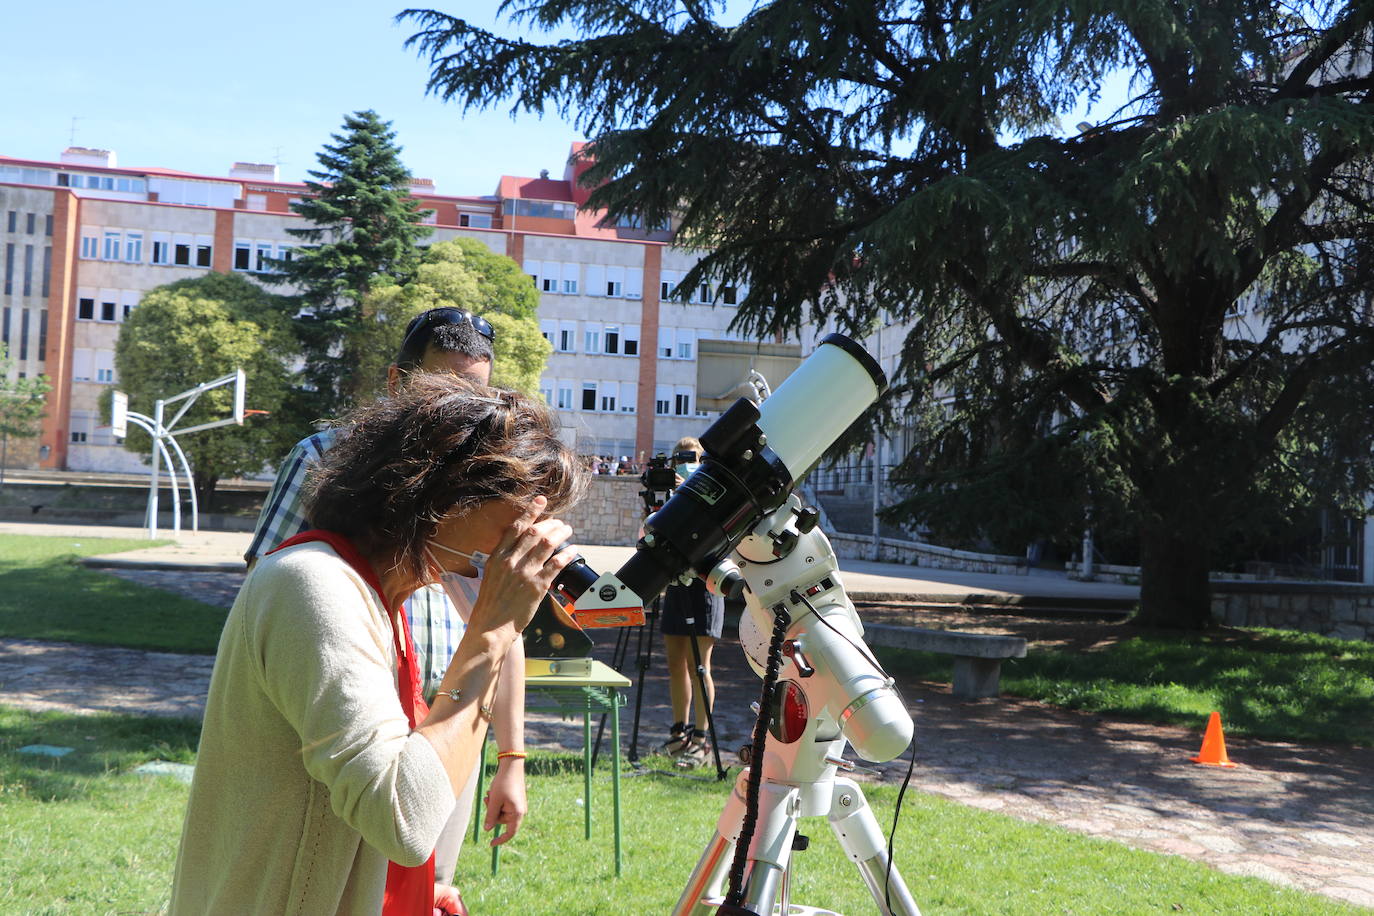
x=598 y=691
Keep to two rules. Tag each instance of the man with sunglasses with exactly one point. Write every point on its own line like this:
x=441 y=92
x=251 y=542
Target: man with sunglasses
x=439 y=340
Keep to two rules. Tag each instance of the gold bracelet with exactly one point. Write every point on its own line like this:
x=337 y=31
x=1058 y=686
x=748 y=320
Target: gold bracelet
x=514 y=755
x=456 y=695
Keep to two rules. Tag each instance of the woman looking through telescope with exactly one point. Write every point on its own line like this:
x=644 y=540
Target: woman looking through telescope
x=319 y=760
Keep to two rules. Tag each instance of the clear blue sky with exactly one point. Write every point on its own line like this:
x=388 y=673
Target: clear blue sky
x=198 y=86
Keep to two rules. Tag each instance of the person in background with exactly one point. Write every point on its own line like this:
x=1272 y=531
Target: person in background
x=323 y=780
x=458 y=342
x=690 y=613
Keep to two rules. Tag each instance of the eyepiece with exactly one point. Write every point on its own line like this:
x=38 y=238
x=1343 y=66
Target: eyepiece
x=575 y=578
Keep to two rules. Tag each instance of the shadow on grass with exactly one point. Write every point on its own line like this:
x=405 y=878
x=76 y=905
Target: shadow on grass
x=1266 y=684
x=54 y=599
x=100 y=744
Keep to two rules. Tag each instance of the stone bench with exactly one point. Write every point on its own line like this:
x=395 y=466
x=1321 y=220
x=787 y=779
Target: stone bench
x=977 y=656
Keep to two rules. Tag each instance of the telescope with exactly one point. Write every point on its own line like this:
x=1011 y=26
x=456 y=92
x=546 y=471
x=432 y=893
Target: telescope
x=754 y=454
x=736 y=523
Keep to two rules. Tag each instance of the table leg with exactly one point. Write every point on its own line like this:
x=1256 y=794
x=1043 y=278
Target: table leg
x=477 y=802
x=615 y=771
x=587 y=769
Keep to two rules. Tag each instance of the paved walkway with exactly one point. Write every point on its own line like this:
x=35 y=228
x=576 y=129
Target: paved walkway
x=1295 y=815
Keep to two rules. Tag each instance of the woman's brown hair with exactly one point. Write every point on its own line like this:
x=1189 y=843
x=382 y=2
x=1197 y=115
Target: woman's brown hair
x=440 y=447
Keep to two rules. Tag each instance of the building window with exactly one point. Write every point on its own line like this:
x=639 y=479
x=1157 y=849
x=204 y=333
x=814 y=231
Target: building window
x=47 y=269
x=28 y=270
x=203 y=256
x=567 y=337
x=630 y=345
x=591 y=339
x=612 y=338
x=665 y=343
x=47 y=225
x=262 y=264
x=90 y=247
x=111 y=250
x=608 y=399
x=9 y=268
x=85 y=309
x=475 y=220
x=243 y=255
x=30 y=222
x=682 y=404
x=685 y=341
x=12 y=225
x=105 y=376
x=133 y=247
x=162 y=251
x=181 y=255
x=23 y=333
x=628 y=393
x=108 y=311
x=78 y=436
x=589 y=395
x=663 y=400
x=565 y=396
x=42 y=333
x=548 y=284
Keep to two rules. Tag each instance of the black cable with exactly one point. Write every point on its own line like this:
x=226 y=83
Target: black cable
x=891 y=837
x=735 y=894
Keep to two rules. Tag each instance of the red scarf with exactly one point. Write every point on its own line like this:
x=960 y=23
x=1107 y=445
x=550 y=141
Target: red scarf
x=409 y=890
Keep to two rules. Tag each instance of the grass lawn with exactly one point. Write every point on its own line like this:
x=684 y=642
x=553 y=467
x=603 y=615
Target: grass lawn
x=82 y=833
x=1277 y=684
x=45 y=595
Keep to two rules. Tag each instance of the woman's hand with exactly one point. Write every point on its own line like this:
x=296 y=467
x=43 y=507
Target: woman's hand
x=448 y=900
x=506 y=802
x=521 y=569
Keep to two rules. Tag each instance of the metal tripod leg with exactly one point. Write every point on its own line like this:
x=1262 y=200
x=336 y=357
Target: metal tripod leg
x=707 y=702
x=646 y=648
x=769 y=853
x=862 y=839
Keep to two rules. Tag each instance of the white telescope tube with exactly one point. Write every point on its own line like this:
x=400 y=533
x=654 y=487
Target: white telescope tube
x=817 y=402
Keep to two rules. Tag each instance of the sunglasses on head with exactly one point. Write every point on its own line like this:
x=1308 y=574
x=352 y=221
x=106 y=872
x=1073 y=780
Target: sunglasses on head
x=417 y=337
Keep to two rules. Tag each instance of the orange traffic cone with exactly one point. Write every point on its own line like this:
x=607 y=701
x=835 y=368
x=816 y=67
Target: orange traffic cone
x=1213 y=753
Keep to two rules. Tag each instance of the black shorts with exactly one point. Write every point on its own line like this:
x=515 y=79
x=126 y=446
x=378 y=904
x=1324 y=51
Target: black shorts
x=681 y=602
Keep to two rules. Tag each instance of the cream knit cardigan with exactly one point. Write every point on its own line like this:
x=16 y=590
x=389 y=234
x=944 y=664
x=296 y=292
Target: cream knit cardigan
x=308 y=777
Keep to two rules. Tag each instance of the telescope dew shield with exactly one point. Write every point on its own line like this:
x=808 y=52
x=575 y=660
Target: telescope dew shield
x=818 y=402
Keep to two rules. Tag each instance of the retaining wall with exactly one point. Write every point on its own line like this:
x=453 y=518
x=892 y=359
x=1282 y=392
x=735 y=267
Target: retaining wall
x=610 y=513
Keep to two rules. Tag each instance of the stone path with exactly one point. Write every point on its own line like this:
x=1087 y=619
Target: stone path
x=1296 y=815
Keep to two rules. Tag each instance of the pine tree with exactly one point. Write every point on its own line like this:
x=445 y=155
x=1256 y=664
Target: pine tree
x=1163 y=317
x=365 y=229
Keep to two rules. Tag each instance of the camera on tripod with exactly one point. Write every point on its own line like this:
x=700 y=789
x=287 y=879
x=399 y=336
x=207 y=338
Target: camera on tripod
x=662 y=477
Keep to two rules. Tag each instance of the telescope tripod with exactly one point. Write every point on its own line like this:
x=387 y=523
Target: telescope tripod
x=776 y=838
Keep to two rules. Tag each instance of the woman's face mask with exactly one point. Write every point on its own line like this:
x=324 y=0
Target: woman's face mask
x=476 y=558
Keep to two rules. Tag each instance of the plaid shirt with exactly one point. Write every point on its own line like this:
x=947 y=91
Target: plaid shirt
x=436 y=625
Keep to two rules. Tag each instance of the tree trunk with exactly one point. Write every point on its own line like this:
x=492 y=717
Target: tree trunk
x=205 y=490
x=1175 y=592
